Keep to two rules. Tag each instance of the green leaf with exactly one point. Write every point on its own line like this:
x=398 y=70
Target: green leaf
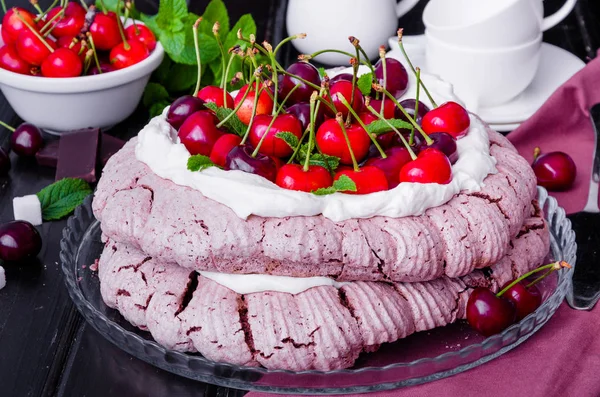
x=248 y=26
x=233 y=123
x=161 y=74
x=329 y=162
x=215 y=11
x=150 y=22
x=289 y=138
x=364 y=83
x=171 y=14
x=61 y=198
x=199 y=162
x=379 y=127
x=342 y=184
x=154 y=93
x=111 y=5
x=324 y=191
x=322 y=72
x=157 y=108
x=181 y=77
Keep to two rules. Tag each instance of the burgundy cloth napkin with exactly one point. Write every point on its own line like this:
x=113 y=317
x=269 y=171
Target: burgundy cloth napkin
x=561 y=359
x=563 y=124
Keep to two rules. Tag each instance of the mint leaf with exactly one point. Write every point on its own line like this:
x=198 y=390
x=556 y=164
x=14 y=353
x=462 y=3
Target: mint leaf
x=322 y=72
x=199 y=162
x=61 y=198
x=233 y=123
x=342 y=184
x=161 y=74
x=215 y=11
x=154 y=93
x=364 y=83
x=157 y=108
x=150 y=22
x=329 y=162
x=181 y=77
x=170 y=15
x=248 y=26
x=379 y=127
x=111 y=5
x=289 y=138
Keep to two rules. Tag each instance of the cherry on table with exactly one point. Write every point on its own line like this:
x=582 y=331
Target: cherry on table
x=222 y=147
x=128 y=53
x=525 y=299
x=264 y=104
x=443 y=142
x=431 y=166
x=19 y=240
x=12 y=25
x=397 y=157
x=240 y=158
x=449 y=117
x=271 y=144
x=199 y=132
x=10 y=60
x=331 y=141
x=142 y=34
x=368 y=179
x=344 y=88
x=555 y=171
x=62 y=63
x=286 y=83
x=105 y=31
x=4 y=162
x=72 y=21
x=293 y=177
x=26 y=140
x=182 y=108
x=214 y=94
x=397 y=77
x=489 y=314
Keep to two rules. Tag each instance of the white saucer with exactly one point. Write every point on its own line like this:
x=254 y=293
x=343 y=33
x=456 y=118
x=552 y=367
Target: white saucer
x=556 y=67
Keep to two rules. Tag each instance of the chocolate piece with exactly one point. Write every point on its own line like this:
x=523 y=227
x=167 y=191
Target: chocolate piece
x=48 y=155
x=109 y=145
x=77 y=154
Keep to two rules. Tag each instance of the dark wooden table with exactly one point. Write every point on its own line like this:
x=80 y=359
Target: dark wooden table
x=45 y=346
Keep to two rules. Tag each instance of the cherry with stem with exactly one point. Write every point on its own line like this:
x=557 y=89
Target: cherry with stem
x=412 y=154
x=419 y=82
x=358 y=119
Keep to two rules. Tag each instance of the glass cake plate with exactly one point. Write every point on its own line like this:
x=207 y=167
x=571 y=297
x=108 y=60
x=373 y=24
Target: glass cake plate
x=419 y=358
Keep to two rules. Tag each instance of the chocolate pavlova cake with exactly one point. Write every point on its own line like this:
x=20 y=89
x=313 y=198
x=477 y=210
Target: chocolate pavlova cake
x=291 y=250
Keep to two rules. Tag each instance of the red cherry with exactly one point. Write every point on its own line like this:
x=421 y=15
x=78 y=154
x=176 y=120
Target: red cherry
x=293 y=177
x=62 y=63
x=12 y=25
x=105 y=31
x=450 y=117
x=489 y=314
x=214 y=94
x=222 y=147
x=397 y=157
x=443 y=142
x=389 y=107
x=368 y=179
x=526 y=300
x=71 y=23
x=431 y=166
x=31 y=49
x=555 y=171
x=10 y=60
x=142 y=34
x=127 y=54
x=330 y=140
x=67 y=42
x=199 y=132
x=344 y=88
x=240 y=158
x=263 y=106
x=396 y=76
x=273 y=145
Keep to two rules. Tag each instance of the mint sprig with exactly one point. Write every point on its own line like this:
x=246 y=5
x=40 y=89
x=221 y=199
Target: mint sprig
x=379 y=127
x=364 y=83
x=289 y=138
x=233 y=123
x=61 y=198
x=342 y=184
x=199 y=162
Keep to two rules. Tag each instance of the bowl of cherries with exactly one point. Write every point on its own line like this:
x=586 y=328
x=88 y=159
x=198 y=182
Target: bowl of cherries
x=70 y=67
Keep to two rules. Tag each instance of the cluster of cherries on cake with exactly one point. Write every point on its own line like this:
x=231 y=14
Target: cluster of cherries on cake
x=329 y=119
x=70 y=41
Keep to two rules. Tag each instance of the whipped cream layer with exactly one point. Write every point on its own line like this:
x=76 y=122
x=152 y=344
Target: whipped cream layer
x=247 y=194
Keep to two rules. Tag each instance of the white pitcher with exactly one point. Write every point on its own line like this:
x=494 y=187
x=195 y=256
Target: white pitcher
x=328 y=23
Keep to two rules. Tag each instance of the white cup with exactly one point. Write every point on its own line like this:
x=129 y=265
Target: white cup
x=328 y=23
x=484 y=77
x=489 y=23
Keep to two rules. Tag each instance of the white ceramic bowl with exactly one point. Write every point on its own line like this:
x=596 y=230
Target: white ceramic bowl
x=62 y=104
x=484 y=78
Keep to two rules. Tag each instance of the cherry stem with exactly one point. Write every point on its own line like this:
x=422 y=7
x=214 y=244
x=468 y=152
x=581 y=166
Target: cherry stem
x=84 y=5
x=258 y=90
x=224 y=82
x=401 y=45
x=104 y=10
x=126 y=45
x=536 y=153
x=255 y=152
x=37 y=7
x=373 y=139
x=308 y=83
x=311 y=133
x=426 y=137
x=384 y=67
x=356 y=43
x=87 y=61
x=18 y=14
x=3 y=6
x=340 y=121
x=552 y=266
x=287 y=40
x=315 y=54
x=239 y=105
x=49 y=26
x=354 y=74
x=197 y=49
x=417 y=96
x=8 y=127
x=306 y=131
x=273 y=75
x=91 y=40
x=412 y=154
x=215 y=31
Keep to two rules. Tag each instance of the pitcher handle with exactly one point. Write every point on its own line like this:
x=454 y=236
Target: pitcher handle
x=559 y=15
x=405 y=6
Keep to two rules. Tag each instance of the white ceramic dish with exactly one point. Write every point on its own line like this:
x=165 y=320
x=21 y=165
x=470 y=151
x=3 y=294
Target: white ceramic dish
x=62 y=104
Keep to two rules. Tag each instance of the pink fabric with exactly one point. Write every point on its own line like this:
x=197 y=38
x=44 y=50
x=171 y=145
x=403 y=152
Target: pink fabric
x=561 y=359
x=563 y=124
